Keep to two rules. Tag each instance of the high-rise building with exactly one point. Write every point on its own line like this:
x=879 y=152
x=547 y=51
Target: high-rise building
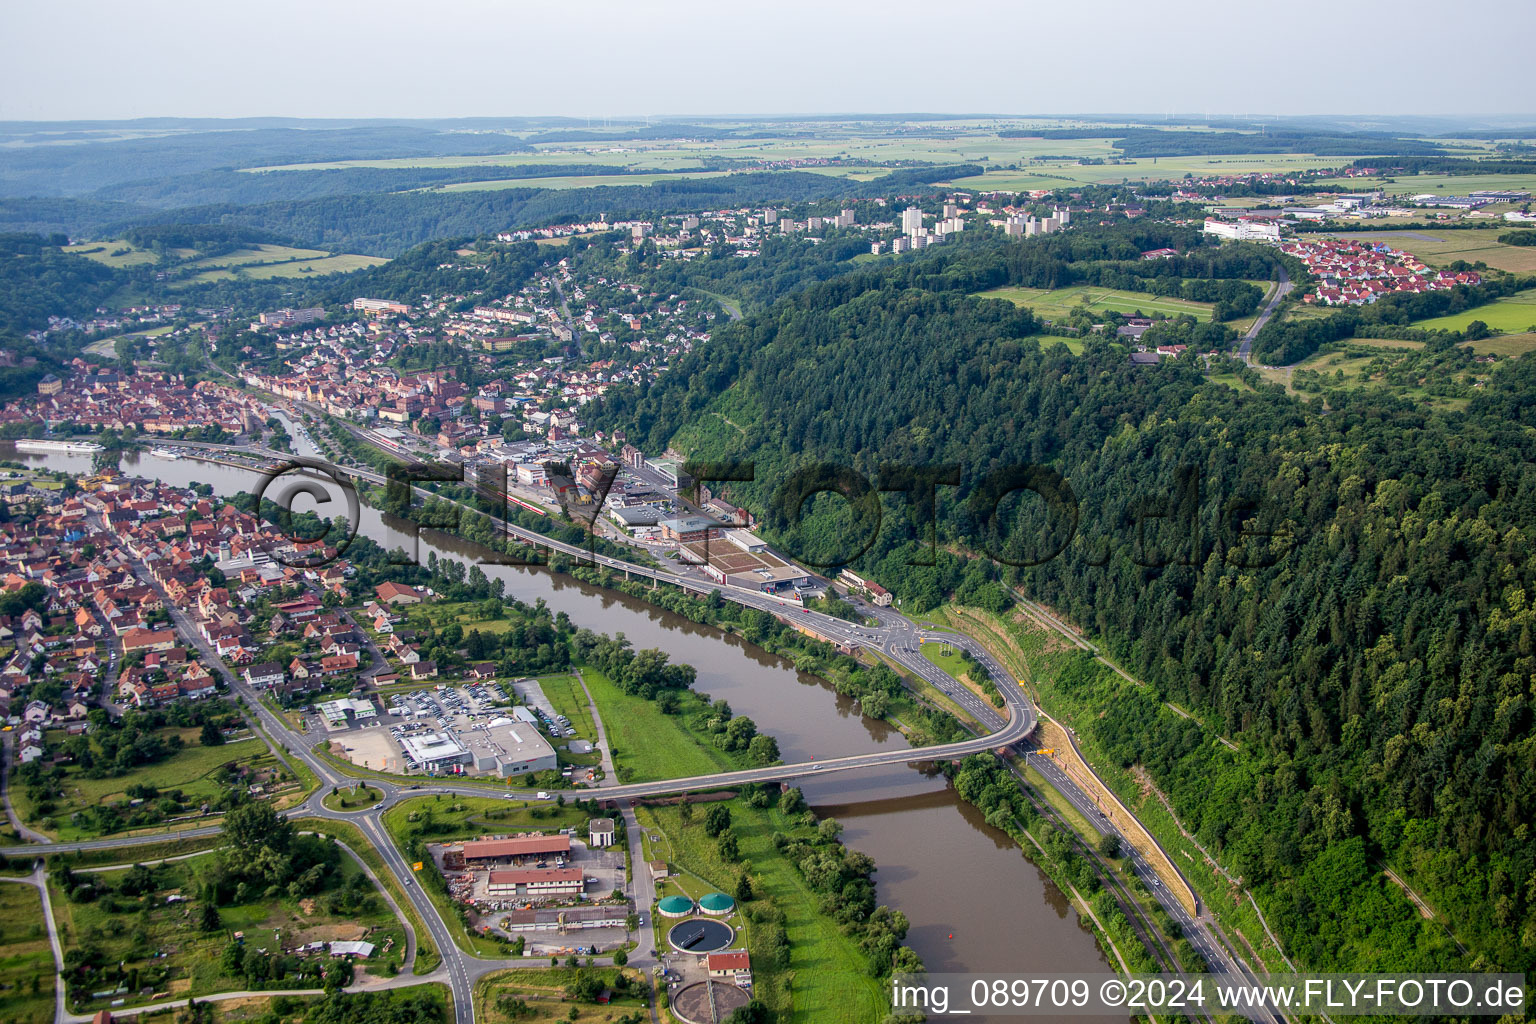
x=911 y=220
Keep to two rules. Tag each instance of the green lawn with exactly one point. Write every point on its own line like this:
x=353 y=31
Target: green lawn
x=646 y=744
x=257 y=254
x=828 y=979
x=952 y=664
x=27 y=975
x=1514 y=314
x=566 y=697
x=1056 y=303
x=348 y=800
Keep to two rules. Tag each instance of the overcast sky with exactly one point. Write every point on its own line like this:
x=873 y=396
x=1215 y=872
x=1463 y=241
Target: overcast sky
x=68 y=59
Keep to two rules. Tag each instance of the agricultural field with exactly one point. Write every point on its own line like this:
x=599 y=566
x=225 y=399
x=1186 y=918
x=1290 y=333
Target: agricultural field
x=1054 y=174
x=79 y=808
x=1057 y=303
x=864 y=154
x=295 y=267
x=1446 y=247
x=574 y=181
x=1514 y=314
x=256 y=254
x=1449 y=184
x=150 y=922
x=27 y=975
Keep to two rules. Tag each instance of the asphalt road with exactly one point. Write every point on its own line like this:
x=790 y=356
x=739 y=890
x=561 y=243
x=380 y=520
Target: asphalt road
x=1245 y=348
x=896 y=637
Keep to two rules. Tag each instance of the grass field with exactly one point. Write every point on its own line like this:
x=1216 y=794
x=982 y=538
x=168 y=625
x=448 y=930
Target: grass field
x=103 y=252
x=342 y=264
x=646 y=744
x=1056 y=303
x=159 y=936
x=828 y=979
x=952 y=664
x=566 y=697
x=1074 y=345
x=364 y=798
x=1440 y=248
x=1513 y=345
x=1514 y=314
x=542 y=991
x=27 y=975
x=257 y=254
x=193 y=770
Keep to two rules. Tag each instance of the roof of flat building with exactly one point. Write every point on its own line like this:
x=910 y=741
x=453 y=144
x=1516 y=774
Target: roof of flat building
x=517 y=876
x=517 y=846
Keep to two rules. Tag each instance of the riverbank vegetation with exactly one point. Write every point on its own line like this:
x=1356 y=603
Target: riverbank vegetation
x=819 y=944
x=1344 y=594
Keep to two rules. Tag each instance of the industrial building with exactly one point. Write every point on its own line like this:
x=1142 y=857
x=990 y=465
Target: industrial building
x=336 y=712
x=507 y=746
x=537 y=882
x=434 y=751
x=564 y=919
x=513 y=852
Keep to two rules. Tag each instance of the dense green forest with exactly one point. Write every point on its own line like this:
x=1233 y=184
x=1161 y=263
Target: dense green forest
x=1348 y=596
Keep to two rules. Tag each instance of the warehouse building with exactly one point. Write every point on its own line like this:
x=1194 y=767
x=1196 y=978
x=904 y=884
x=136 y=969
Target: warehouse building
x=513 y=852
x=537 y=882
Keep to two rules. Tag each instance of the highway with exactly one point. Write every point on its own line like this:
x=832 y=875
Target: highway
x=895 y=636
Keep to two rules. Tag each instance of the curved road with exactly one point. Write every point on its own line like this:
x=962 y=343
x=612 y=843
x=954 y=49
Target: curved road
x=895 y=636
x=1283 y=288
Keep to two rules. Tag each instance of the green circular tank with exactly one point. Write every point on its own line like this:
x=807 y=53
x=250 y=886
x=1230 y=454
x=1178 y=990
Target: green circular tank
x=675 y=906
x=717 y=904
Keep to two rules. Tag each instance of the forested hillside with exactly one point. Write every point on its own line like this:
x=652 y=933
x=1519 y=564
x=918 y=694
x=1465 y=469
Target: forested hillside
x=1374 y=657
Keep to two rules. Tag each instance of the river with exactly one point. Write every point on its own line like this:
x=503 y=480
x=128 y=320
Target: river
x=974 y=903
